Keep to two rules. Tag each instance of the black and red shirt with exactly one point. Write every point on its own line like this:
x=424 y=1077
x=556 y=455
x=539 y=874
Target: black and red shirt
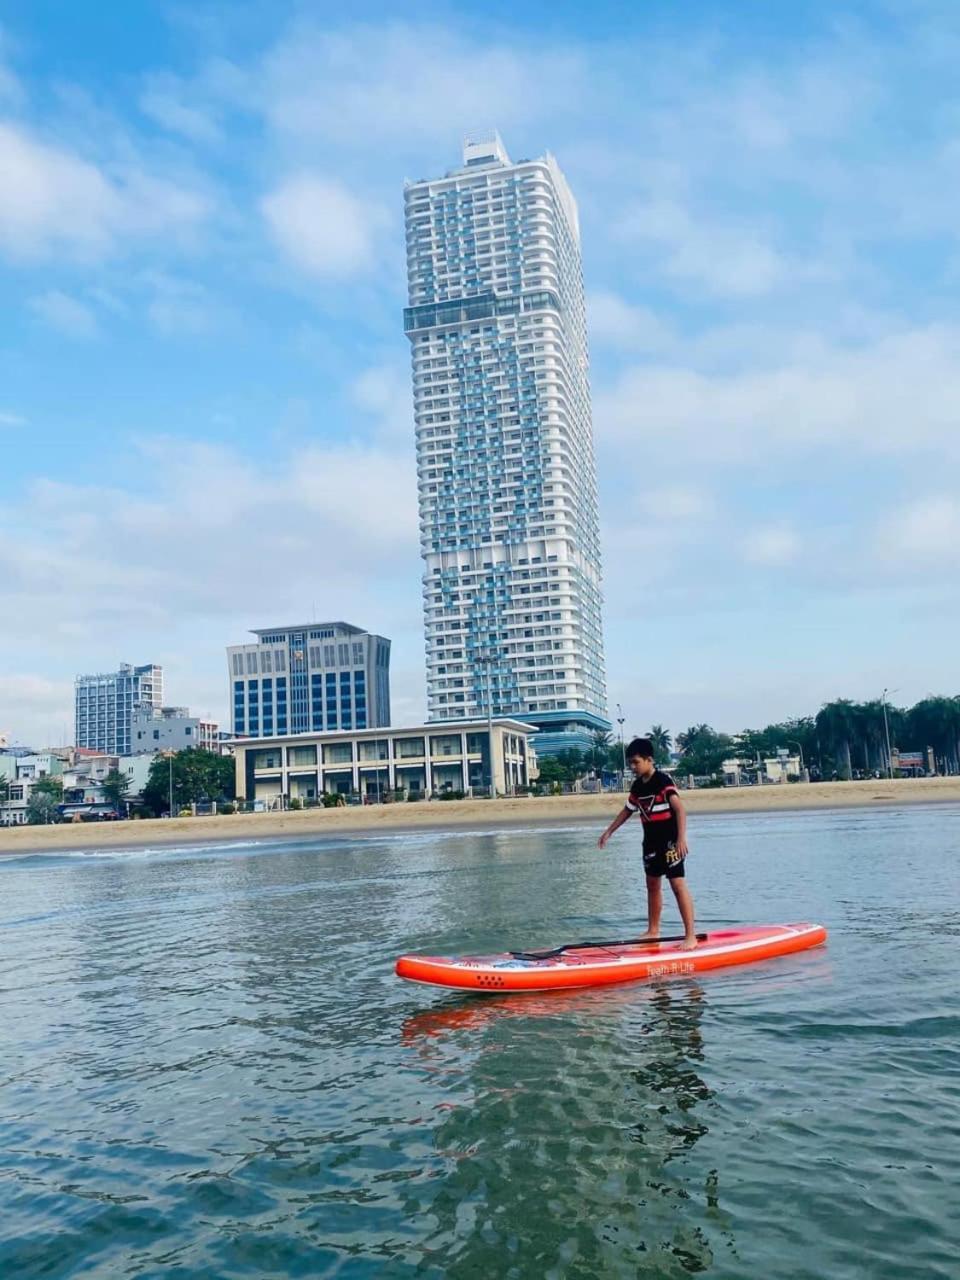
x=650 y=798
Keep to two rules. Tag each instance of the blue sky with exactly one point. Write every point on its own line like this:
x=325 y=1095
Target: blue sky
x=205 y=419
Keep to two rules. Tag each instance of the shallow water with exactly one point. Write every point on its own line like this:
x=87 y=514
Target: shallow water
x=210 y=1070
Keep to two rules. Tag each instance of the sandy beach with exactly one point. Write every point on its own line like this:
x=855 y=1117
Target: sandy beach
x=519 y=812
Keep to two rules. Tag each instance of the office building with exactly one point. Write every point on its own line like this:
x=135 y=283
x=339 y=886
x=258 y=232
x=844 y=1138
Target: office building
x=507 y=479
x=316 y=677
x=105 y=705
x=413 y=763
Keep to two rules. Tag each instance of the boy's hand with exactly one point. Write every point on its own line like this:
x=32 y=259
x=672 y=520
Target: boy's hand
x=682 y=847
x=603 y=839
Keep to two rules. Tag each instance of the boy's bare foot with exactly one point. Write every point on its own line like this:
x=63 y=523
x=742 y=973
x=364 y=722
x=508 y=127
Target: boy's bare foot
x=651 y=935
x=689 y=943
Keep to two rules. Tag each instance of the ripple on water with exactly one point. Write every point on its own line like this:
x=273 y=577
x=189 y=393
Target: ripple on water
x=209 y=1069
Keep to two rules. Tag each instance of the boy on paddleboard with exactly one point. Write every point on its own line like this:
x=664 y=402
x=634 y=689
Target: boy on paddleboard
x=655 y=797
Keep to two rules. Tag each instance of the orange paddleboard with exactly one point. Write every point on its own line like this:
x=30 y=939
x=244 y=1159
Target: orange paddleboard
x=582 y=966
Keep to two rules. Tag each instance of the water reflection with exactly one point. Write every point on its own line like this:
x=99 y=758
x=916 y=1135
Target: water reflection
x=586 y=1099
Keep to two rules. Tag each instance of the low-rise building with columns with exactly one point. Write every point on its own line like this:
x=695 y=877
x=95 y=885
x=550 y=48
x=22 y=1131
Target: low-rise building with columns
x=420 y=761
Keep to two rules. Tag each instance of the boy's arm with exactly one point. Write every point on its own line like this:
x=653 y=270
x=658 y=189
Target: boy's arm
x=676 y=804
x=624 y=814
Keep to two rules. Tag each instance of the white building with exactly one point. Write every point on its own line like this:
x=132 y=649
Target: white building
x=105 y=705
x=171 y=729
x=420 y=761
x=778 y=768
x=21 y=773
x=316 y=677
x=507 y=479
x=83 y=793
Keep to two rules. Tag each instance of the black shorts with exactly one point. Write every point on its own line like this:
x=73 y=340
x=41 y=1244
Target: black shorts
x=663 y=862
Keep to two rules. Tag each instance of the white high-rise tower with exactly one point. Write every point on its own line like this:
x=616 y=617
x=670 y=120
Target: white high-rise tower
x=507 y=478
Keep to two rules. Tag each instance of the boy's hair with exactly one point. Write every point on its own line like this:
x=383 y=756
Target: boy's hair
x=640 y=747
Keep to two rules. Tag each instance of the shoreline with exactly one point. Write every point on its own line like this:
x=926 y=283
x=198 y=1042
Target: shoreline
x=515 y=812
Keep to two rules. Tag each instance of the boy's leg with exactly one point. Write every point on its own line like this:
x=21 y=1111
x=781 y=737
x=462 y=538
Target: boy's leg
x=654 y=908
x=685 y=903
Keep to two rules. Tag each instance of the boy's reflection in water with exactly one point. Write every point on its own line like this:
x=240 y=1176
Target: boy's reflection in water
x=558 y=1155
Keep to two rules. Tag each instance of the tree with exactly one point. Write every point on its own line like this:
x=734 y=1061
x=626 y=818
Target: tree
x=839 y=724
x=49 y=785
x=4 y=789
x=41 y=806
x=703 y=750
x=661 y=741
x=115 y=787
x=198 y=775
x=935 y=722
x=600 y=750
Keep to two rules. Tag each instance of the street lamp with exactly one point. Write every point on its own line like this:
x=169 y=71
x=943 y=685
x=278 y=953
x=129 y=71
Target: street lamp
x=623 y=749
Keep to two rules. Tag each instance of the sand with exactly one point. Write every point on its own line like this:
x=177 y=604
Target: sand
x=432 y=815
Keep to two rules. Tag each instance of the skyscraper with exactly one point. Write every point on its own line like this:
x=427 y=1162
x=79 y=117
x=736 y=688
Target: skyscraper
x=507 y=478
x=105 y=704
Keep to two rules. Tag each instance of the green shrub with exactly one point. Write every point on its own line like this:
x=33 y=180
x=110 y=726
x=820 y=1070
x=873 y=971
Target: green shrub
x=226 y=807
x=296 y=803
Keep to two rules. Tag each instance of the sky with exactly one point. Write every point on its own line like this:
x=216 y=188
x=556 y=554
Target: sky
x=205 y=410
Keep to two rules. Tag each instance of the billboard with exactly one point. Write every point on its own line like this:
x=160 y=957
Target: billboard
x=909 y=760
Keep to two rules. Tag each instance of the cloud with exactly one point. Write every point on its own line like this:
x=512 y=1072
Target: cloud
x=614 y=322
x=891 y=396
x=728 y=259
x=924 y=529
x=384 y=391
x=47 y=705
x=8 y=419
x=773 y=545
x=53 y=200
x=66 y=314
x=164 y=100
x=409 y=83
x=181 y=308
x=322 y=226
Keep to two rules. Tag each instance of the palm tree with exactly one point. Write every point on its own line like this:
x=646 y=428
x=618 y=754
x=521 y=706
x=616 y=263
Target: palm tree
x=661 y=740
x=598 y=753
x=838 y=723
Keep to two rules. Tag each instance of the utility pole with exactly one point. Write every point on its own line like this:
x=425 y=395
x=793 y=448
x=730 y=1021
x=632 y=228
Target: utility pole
x=170 y=765
x=623 y=749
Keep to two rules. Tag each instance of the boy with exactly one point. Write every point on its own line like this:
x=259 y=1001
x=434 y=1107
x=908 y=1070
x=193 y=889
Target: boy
x=664 y=818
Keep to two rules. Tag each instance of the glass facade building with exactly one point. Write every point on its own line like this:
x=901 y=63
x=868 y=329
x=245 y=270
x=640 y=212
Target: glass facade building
x=315 y=678
x=506 y=472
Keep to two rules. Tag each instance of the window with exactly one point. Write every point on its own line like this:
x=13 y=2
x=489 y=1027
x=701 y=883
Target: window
x=408 y=748
x=329 y=655
x=445 y=744
x=251 y=664
x=358 y=654
x=338 y=753
x=156 y=735
x=376 y=749
x=188 y=730
x=302 y=755
x=265 y=660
